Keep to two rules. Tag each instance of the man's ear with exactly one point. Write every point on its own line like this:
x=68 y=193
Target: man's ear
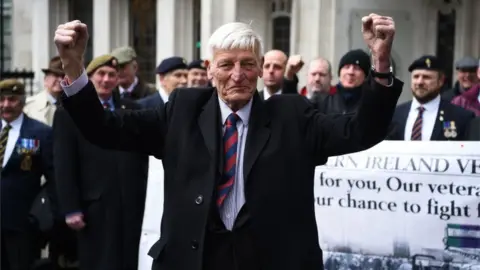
x=209 y=69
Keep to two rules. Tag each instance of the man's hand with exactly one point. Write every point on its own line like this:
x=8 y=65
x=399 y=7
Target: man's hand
x=75 y=221
x=378 y=32
x=71 y=40
x=294 y=65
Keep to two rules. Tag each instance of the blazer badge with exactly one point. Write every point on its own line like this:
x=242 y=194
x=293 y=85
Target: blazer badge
x=26 y=148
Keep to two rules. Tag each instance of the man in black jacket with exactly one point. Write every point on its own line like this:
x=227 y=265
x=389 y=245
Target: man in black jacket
x=101 y=192
x=231 y=159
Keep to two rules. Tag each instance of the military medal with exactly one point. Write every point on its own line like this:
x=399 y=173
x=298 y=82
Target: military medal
x=26 y=163
x=453 y=129
x=27 y=148
x=446 y=129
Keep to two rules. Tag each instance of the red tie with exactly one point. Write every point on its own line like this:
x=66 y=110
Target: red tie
x=230 y=142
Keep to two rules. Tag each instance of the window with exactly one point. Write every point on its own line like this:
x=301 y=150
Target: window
x=144 y=34
x=6 y=35
x=281 y=10
x=83 y=11
x=281 y=34
x=197 y=28
x=446 y=43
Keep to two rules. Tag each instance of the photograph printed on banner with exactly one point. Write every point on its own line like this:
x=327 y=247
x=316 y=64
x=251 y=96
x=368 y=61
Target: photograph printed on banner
x=401 y=205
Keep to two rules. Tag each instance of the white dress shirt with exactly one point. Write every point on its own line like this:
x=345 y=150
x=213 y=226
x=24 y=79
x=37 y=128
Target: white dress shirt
x=13 y=135
x=163 y=94
x=236 y=198
x=428 y=121
x=130 y=88
x=267 y=95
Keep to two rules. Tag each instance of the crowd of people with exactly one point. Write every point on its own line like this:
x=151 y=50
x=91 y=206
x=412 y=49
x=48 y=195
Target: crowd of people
x=73 y=192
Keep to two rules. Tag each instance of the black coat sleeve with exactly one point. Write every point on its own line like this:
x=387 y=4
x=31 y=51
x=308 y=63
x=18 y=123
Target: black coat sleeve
x=140 y=131
x=333 y=135
x=66 y=160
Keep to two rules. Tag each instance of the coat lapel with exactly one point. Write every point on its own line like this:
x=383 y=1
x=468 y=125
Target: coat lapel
x=438 y=127
x=210 y=127
x=402 y=120
x=24 y=133
x=258 y=134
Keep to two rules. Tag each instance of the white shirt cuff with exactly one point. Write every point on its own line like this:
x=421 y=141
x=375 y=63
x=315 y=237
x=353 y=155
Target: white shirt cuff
x=76 y=85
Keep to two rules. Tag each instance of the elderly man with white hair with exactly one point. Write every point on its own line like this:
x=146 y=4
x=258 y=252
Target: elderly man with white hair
x=239 y=171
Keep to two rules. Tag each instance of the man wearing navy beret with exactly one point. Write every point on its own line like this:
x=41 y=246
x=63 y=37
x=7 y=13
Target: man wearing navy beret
x=197 y=74
x=172 y=73
x=428 y=117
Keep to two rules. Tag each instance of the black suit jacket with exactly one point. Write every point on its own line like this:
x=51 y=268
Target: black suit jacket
x=451 y=112
x=287 y=138
x=152 y=101
x=108 y=187
x=473 y=133
x=141 y=90
x=20 y=186
x=289 y=87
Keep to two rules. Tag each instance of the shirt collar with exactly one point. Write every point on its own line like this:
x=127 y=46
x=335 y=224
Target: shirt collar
x=267 y=94
x=110 y=102
x=50 y=98
x=243 y=113
x=130 y=88
x=163 y=94
x=15 y=124
x=432 y=105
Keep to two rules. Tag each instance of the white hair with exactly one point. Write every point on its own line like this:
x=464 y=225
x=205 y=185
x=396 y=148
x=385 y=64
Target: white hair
x=235 y=35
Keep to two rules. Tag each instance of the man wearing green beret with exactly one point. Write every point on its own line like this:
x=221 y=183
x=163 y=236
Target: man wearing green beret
x=101 y=192
x=129 y=85
x=25 y=157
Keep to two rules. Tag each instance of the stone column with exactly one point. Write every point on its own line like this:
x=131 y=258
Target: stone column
x=316 y=40
x=175 y=29
x=214 y=14
x=120 y=24
x=101 y=27
x=42 y=37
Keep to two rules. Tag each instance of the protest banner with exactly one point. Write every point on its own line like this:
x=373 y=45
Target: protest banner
x=401 y=205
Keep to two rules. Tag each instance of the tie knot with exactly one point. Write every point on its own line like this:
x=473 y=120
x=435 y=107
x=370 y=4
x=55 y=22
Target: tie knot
x=106 y=105
x=7 y=128
x=421 y=109
x=232 y=119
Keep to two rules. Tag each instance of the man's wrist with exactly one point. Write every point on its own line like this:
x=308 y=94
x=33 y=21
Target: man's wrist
x=73 y=70
x=381 y=66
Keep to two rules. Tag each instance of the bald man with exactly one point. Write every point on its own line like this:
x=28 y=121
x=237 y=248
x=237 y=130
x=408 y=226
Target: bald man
x=319 y=78
x=279 y=74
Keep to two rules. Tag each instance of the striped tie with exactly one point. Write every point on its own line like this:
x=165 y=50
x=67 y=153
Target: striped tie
x=230 y=142
x=3 y=142
x=417 y=126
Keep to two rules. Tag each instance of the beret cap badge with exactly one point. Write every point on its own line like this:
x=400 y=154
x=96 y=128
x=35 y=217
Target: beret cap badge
x=428 y=62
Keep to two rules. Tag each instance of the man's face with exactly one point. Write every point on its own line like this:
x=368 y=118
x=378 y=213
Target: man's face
x=11 y=106
x=235 y=74
x=174 y=79
x=319 y=78
x=127 y=73
x=351 y=76
x=426 y=84
x=274 y=69
x=197 y=77
x=105 y=79
x=467 y=78
x=51 y=82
